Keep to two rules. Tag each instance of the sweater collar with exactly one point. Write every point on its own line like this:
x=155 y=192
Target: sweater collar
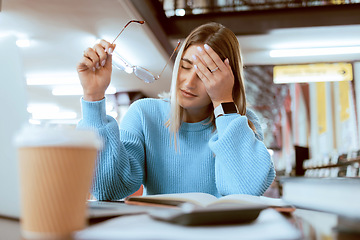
x=195 y=127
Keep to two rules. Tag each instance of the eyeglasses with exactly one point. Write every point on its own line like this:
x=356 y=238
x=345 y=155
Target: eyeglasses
x=140 y=72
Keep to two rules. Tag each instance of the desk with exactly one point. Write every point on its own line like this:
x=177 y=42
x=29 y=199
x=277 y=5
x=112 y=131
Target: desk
x=320 y=226
x=9 y=229
x=312 y=224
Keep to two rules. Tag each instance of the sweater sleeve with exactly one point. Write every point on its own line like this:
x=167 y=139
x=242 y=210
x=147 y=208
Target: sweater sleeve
x=242 y=162
x=119 y=171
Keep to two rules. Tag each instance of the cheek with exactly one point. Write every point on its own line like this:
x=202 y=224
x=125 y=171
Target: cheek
x=181 y=77
x=204 y=94
x=202 y=88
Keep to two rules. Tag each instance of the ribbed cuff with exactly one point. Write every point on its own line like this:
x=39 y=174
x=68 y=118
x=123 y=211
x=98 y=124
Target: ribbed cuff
x=94 y=113
x=222 y=122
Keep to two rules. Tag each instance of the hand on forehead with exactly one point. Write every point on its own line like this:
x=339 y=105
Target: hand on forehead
x=208 y=58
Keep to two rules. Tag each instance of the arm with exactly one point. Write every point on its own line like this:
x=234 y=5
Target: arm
x=119 y=168
x=94 y=70
x=118 y=173
x=242 y=162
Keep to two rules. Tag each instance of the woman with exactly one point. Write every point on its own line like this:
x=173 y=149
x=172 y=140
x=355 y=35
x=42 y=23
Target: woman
x=179 y=145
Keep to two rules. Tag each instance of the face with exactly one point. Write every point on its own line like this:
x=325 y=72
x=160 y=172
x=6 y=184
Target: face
x=191 y=91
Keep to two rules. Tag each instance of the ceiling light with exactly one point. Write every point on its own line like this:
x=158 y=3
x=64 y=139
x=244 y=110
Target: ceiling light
x=32 y=108
x=180 y=12
x=314 y=51
x=23 y=43
x=52 y=79
x=109 y=107
x=112 y=114
x=317 y=72
x=196 y=11
x=76 y=90
x=54 y=115
x=34 y=122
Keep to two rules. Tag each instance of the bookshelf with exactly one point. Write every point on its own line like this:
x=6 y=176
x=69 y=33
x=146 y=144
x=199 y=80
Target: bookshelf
x=345 y=165
x=339 y=164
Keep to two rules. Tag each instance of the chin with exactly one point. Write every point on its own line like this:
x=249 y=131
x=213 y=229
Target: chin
x=192 y=103
x=184 y=103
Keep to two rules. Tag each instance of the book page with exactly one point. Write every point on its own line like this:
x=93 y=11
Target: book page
x=275 y=202
x=204 y=199
x=246 y=199
x=200 y=199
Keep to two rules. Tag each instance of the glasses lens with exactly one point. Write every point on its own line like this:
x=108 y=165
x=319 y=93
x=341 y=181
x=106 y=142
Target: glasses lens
x=144 y=74
x=120 y=63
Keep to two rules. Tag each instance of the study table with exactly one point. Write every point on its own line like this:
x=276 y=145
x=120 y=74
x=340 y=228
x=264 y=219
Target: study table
x=311 y=225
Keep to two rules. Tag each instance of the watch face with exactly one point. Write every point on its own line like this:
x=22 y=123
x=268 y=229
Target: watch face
x=229 y=107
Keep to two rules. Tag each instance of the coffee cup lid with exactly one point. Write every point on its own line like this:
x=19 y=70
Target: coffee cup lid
x=35 y=136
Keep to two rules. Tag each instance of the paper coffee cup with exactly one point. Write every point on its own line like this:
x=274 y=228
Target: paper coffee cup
x=56 y=170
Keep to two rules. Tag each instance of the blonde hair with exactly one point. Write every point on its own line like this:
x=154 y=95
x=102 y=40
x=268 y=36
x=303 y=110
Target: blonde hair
x=224 y=42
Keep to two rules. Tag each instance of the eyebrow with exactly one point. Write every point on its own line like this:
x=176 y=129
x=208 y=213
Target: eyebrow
x=187 y=60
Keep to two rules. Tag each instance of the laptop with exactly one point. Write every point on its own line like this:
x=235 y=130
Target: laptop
x=13 y=104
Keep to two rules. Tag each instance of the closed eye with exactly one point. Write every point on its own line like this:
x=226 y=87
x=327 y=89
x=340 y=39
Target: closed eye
x=186 y=68
x=186 y=64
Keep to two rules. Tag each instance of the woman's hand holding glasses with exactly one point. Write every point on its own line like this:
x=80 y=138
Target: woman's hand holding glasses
x=94 y=70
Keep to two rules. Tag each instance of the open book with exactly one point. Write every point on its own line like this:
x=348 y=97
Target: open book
x=207 y=200
x=202 y=208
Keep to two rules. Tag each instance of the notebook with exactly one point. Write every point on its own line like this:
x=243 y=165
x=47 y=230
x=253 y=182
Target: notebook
x=13 y=104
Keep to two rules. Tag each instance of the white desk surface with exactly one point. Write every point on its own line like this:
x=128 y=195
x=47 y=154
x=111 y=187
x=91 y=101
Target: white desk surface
x=312 y=225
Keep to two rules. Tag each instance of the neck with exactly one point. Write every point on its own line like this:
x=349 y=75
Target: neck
x=196 y=115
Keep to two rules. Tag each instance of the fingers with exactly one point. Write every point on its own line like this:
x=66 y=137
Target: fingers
x=86 y=61
x=227 y=64
x=98 y=56
x=107 y=46
x=85 y=64
x=206 y=60
x=219 y=82
x=208 y=64
x=201 y=70
x=102 y=55
x=211 y=58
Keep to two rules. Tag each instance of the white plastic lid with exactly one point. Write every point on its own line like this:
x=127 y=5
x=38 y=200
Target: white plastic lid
x=34 y=136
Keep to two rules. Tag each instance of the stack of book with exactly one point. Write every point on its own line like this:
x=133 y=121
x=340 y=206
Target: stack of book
x=333 y=195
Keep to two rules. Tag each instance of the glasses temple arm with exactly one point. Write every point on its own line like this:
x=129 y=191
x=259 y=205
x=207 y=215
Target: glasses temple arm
x=178 y=44
x=136 y=21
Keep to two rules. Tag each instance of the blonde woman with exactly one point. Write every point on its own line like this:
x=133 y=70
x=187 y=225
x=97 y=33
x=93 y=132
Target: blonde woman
x=202 y=139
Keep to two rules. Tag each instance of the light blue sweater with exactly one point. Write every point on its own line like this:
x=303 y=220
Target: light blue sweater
x=231 y=160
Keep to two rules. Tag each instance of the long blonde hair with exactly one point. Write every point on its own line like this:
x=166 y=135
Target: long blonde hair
x=224 y=42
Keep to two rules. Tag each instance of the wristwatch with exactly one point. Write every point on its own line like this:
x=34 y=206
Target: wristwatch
x=225 y=108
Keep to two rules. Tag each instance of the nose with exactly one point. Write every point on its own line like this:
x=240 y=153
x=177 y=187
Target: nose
x=191 y=80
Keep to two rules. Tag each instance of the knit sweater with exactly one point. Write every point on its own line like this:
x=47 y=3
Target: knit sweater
x=230 y=160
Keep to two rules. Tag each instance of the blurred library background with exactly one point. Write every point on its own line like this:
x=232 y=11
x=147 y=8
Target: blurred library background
x=301 y=65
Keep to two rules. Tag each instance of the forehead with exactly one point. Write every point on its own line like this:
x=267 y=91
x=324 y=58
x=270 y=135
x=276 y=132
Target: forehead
x=191 y=50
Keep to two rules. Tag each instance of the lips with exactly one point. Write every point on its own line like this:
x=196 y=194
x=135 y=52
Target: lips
x=187 y=93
